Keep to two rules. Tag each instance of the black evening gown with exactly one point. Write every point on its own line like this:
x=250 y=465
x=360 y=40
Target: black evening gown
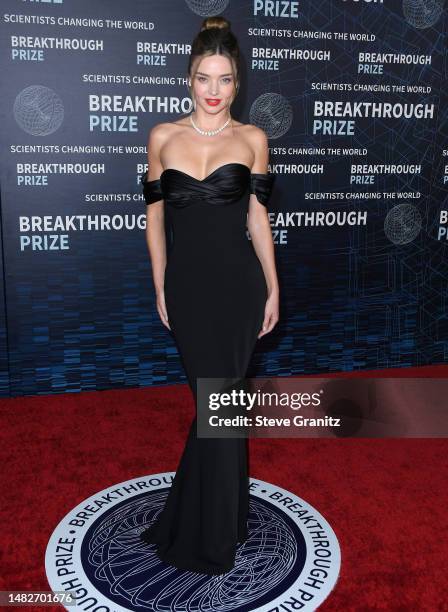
x=215 y=294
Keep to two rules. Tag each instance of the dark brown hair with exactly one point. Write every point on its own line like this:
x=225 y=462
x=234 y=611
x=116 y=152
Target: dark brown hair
x=216 y=38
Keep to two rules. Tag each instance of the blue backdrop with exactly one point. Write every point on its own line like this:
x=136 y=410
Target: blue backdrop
x=352 y=95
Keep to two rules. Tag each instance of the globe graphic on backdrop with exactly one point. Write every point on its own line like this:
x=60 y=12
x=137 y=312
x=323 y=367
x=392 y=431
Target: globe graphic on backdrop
x=423 y=13
x=402 y=223
x=207 y=8
x=38 y=110
x=272 y=113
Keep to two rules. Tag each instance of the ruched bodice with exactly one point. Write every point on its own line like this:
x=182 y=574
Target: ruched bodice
x=215 y=293
x=224 y=185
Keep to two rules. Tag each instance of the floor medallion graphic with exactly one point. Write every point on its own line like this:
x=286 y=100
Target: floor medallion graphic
x=290 y=561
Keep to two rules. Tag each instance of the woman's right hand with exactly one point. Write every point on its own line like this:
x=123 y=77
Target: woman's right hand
x=161 y=309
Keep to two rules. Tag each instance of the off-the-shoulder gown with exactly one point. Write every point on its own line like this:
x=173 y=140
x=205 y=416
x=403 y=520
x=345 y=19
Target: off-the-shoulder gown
x=215 y=294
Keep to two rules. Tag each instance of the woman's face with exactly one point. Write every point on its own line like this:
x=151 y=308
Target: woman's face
x=213 y=83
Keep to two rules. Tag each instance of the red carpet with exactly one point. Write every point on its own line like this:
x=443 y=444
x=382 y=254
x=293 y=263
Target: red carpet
x=385 y=499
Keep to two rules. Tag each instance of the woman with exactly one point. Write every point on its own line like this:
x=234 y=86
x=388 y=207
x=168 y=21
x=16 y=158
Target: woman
x=216 y=290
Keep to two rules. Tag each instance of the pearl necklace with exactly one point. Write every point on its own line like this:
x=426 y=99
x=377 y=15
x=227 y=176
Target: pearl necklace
x=208 y=132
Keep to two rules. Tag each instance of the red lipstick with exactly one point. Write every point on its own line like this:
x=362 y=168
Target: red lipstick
x=212 y=101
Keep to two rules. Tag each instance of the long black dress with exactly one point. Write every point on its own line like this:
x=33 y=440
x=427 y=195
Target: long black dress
x=215 y=293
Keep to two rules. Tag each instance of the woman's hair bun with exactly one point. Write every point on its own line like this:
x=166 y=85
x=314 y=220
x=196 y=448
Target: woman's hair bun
x=215 y=22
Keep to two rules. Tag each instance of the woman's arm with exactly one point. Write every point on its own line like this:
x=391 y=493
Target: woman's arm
x=155 y=223
x=260 y=232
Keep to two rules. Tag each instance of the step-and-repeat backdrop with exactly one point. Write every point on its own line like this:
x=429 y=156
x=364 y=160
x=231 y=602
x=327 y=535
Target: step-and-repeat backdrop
x=353 y=97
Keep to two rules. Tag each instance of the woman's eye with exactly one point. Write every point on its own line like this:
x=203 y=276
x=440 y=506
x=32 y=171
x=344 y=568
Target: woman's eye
x=225 y=79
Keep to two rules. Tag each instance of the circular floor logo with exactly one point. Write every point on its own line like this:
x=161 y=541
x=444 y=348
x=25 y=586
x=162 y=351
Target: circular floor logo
x=290 y=561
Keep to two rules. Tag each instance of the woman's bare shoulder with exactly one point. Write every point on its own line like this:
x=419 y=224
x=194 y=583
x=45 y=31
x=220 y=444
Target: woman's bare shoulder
x=160 y=133
x=164 y=127
x=255 y=137
x=254 y=131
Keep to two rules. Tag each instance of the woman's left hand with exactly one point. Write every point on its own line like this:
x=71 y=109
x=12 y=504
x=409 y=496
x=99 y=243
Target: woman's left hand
x=270 y=314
